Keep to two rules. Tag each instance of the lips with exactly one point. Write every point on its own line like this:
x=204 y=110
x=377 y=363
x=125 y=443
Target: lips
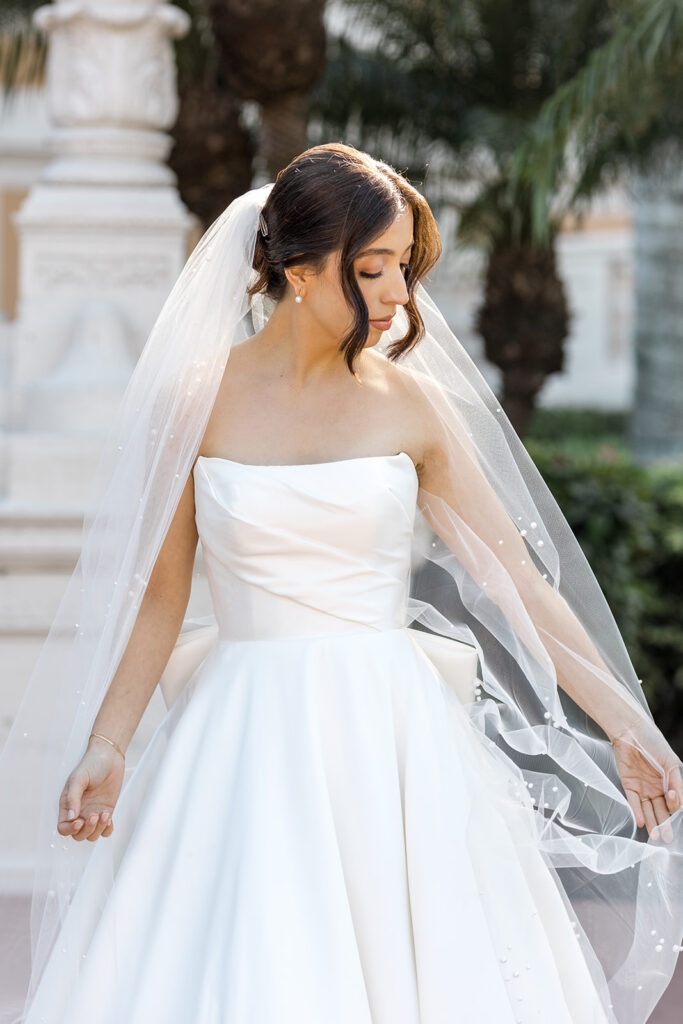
x=384 y=324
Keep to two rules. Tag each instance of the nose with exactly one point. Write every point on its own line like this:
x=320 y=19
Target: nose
x=398 y=292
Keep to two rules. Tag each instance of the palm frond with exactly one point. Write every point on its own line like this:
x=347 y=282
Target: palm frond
x=609 y=110
x=23 y=47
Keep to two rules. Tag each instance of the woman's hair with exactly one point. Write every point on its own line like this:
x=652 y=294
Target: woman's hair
x=334 y=197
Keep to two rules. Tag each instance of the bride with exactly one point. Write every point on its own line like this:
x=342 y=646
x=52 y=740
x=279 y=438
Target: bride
x=406 y=772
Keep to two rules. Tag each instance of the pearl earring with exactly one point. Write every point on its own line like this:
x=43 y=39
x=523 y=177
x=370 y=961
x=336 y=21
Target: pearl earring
x=298 y=298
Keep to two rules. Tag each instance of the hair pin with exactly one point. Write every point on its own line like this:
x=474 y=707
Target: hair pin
x=263 y=227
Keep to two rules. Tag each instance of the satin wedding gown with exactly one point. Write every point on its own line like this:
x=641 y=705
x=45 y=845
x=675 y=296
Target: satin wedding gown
x=316 y=833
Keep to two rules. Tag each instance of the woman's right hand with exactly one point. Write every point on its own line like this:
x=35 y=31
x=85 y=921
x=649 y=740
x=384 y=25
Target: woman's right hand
x=91 y=791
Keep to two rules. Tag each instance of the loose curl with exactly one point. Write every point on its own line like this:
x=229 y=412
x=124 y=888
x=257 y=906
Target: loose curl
x=335 y=197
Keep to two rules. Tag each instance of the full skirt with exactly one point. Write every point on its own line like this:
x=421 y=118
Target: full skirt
x=317 y=833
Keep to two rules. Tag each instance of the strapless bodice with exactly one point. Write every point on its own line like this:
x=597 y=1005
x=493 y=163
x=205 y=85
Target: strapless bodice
x=307 y=550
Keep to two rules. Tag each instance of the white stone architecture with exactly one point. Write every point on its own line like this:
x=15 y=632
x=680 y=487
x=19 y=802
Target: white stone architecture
x=101 y=236
x=92 y=236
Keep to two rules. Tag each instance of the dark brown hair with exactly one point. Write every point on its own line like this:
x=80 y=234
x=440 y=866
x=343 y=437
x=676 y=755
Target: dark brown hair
x=331 y=197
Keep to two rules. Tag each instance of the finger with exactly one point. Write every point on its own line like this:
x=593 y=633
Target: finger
x=76 y=834
x=63 y=810
x=92 y=823
x=108 y=830
x=88 y=827
x=662 y=816
x=674 y=795
x=75 y=787
x=673 y=800
x=650 y=820
x=82 y=832
x=68 y=828
x=75 y=826
x=100 y=825
x=68 y=812
x=636 y=807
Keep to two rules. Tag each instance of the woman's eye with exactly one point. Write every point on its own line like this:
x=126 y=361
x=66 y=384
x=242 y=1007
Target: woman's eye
x=364 y=273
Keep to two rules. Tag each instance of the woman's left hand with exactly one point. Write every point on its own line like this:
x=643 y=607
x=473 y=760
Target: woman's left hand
x=650 y=774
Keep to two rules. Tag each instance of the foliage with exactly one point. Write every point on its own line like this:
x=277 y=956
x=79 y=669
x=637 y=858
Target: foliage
x=592 y=433
x=617 y=109
x=629 y=522
x=23 y=48
x=540 y=104
x=463 y=80
x=596 y=426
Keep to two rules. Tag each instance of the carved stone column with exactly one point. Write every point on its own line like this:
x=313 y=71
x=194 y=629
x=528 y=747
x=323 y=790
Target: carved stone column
x=102 y=236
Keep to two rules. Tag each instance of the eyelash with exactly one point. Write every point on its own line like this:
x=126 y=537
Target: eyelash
x=364 y=273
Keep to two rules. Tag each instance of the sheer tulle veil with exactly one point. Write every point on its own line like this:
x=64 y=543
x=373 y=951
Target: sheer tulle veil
x=495 y=565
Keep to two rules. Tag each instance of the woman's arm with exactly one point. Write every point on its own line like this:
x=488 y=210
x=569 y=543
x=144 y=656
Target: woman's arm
x=463 y=509
x=156 y=628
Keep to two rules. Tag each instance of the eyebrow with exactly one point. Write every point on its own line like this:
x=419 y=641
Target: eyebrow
x=382 y=252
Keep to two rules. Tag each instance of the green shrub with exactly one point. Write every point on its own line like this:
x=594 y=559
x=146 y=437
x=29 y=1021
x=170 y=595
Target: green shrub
x=594 y=425
x=629 y=522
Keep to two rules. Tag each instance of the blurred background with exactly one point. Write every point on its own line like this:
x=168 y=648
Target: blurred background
x=547 y=137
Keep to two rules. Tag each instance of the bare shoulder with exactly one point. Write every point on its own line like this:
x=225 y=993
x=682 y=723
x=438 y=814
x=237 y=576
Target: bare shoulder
x=404 y=380
x=245 y=364
x=240 y=380
x=410 y=394
x=245 y=371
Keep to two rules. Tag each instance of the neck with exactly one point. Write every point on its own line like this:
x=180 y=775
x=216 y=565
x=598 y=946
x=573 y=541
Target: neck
x=299 y=350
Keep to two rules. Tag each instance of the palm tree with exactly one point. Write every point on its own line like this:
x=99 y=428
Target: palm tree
x=471 y=80
x=625 y=109
x=22 y=48
x=273 y=53
x=214 y=150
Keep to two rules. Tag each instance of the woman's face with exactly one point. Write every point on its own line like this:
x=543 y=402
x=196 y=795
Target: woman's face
x=380 y=272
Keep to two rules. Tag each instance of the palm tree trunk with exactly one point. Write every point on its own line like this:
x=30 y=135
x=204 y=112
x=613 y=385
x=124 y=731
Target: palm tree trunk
x=213 y=153
x=524 y=320
x=283 y=121
x=273 y=54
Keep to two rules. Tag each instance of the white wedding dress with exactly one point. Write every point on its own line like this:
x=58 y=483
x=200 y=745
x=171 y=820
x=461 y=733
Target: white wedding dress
x=317 y=833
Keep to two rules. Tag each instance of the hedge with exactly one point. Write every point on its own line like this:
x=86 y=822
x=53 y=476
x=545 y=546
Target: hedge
x=629 y=522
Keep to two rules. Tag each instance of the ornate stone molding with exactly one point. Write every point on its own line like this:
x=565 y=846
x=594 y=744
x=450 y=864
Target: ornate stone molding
x=111 y=87
x=112 y=65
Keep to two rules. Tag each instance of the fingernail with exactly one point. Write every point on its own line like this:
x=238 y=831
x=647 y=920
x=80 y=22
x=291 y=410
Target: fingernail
x=71 y=814
x=672 y=794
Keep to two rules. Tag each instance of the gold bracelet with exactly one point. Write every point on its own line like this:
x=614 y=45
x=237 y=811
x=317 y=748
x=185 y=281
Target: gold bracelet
x=624 y=732
x=115 y=745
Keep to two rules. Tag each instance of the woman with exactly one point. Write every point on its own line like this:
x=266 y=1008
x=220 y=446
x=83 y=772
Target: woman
x=328 y=825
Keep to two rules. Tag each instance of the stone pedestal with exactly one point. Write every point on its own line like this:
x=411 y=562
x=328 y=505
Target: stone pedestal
x=103 y=235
